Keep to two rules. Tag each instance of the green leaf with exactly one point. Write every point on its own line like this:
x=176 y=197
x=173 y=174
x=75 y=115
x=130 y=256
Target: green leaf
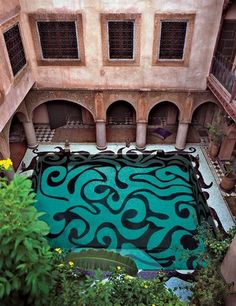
x=104 y=260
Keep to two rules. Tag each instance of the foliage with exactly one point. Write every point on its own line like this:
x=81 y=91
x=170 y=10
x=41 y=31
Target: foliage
x=119 y=289
x=24 y=254
x=215 y=131
x=128 y=290
x=229 y=169
x=209 y=287
x=104 y=260
x=216 y=243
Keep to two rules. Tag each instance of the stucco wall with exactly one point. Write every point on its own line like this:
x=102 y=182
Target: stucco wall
x=96 y=75
x=12 y=89
x=8 y=9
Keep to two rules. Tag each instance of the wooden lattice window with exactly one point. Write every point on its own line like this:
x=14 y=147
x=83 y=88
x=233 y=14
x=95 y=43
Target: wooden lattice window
x=15 y=48
x=227 y=41
x=172 y=40
x=121 y=39
x=58 y=39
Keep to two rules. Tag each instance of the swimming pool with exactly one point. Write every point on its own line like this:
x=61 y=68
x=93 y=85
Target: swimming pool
x=146 y=205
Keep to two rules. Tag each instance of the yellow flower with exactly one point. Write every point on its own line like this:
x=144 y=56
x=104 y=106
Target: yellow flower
x=61 y=265
x=71 y=264
x=153 y=305
x=58 y=250
x=118 y=268
x=5 y=163
x=145 y=286
x=126 y=277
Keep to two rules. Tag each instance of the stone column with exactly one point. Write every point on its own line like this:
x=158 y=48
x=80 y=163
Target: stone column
x=101 y=135
x=141 y=134
x=30 y=134
x=181 y=136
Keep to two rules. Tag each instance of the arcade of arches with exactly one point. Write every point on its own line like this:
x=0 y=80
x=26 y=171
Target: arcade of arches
x=116 y=117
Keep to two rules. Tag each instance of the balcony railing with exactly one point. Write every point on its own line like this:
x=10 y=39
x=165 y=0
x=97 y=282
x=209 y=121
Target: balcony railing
x=225 y=72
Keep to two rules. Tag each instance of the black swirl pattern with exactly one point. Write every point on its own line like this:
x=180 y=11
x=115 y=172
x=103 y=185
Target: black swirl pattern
x=143 y=204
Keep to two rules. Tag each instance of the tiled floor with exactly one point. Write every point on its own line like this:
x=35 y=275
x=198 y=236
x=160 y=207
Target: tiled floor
x=44 y=133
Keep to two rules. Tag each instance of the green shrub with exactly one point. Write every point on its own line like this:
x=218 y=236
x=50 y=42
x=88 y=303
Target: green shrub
x=25 y=268
x=209 y=287
x=118 y=290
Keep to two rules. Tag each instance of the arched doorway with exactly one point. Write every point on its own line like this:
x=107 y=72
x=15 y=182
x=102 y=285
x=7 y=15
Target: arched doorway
x=163 y=123
x=203 y=115
x=17 y=141
x=61 y=120
x=121 y=122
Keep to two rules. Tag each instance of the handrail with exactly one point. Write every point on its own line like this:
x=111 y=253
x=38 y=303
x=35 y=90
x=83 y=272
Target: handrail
x=225 y=72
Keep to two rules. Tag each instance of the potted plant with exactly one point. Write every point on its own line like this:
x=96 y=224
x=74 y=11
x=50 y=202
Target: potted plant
x=215 y=136
x=229 y=179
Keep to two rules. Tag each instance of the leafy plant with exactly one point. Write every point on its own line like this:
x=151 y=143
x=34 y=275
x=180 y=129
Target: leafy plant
x=104 y=260
x=209 y=287
x=131 y=291
x=229 y=169
x=215 y=131
x=24 y=253
x=119 y=289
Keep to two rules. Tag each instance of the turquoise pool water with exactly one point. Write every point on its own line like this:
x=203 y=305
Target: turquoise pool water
x=147 y=206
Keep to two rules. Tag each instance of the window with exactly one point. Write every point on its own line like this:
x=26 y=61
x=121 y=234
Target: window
x=15 y=48
x=172 y=39
x=121 y=35
x=58 y=39
x=121 y=39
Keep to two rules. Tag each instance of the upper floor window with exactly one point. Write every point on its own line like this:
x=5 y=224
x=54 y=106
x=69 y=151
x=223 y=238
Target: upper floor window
x=58 y=39
x=172 y=39
x=121 y=39
x=15 y=48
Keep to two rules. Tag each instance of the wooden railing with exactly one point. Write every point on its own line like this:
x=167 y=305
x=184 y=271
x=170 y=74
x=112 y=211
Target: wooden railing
x=225 y=73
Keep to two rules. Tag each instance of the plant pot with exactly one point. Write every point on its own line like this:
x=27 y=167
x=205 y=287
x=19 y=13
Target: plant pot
x=228 y=182
x=213 y=149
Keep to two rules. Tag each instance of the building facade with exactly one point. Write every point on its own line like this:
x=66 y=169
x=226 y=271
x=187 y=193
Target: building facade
x=118 y=69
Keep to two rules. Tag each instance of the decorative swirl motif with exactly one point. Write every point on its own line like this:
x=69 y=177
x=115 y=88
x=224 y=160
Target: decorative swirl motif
x=145 y=204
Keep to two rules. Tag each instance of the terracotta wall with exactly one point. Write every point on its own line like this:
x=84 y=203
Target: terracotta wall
x=96 y=75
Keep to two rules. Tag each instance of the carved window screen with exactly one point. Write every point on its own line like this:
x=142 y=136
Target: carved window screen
x=58 y=39
x=15 y=49
x=172 y=40
x=121 y=39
